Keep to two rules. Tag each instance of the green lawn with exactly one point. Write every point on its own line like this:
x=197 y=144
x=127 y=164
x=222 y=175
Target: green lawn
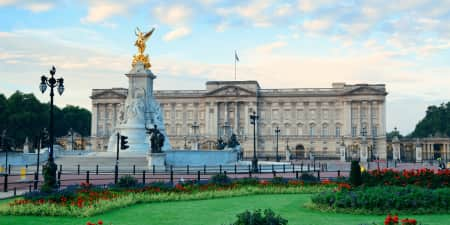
x=216 y=212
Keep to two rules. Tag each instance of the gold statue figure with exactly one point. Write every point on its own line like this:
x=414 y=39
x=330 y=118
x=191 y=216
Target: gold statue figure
x=140 y=44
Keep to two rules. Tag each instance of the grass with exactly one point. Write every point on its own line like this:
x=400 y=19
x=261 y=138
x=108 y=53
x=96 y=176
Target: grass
x=218 y=211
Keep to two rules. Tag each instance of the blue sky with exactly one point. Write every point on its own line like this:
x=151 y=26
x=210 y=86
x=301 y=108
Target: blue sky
x=282 y=44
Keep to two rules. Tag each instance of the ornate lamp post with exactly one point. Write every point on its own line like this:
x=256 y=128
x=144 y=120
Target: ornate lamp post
x=253 y=119
x=277 y=132
x=50 y=174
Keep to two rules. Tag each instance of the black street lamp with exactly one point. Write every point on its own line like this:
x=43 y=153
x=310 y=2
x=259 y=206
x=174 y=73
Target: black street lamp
x=277 y=132
x=253 y=119
x=50 y=174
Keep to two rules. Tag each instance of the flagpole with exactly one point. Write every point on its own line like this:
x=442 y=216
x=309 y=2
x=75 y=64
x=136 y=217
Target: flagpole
x=235 y=67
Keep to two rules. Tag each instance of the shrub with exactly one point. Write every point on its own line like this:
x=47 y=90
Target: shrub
x=220 y=179
x=253 y=218
x=49 y=173
x=247 y=181
x=308 y=177
x=355 y=174
x=382 y=199
x=279 y=181
x=127 y=181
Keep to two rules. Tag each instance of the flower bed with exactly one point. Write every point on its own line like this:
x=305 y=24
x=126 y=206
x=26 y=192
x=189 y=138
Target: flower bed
x=384 y=199
x=421 y=177
x=88 y=200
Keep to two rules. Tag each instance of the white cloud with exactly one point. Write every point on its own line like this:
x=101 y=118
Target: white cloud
x=254 y=12
x=173 y=15
x=309 y=6
x=268 y=48
x=39 y=7
x=284 y=10
x=177 y=33
x=221 y=27
x=317 y=25
x=101 y=10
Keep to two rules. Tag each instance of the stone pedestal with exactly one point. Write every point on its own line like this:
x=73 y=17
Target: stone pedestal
x=418 y=154
x=342 y=153
x=363 y=153
x=395 y=150
x=158 y=160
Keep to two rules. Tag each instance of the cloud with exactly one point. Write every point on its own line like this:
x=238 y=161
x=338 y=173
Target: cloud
x=173 y=15
x=222 y=27
x=101 y=10
x=317 y=25
x=30 y=5
x=177 y=33
x=309 y=6
x=255 y=12
x=268 y=48
x=39 y=7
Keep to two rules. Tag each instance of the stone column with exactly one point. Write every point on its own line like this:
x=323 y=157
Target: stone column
x=342 y=152
x=217 y=119
x=105 y=119
x=246 y=119
x=382 y=118
x=418 y=152
x=114 y=122
x=236 y=118
x=207 y=121
x=396 y=148
x=347 y=118
x=94 y=123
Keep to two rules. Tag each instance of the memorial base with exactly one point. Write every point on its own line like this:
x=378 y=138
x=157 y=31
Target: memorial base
x=157 y=160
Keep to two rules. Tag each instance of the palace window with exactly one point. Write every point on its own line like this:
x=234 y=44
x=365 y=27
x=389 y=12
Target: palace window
x=325 y=114
x=311 y=130
x=338 y=131
x=324 y=130
x=299 y=130
x=275 y=114
x=354 y=131
x=287 y=114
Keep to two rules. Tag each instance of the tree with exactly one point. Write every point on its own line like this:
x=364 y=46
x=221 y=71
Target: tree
x=24 y=116
x=436 y=122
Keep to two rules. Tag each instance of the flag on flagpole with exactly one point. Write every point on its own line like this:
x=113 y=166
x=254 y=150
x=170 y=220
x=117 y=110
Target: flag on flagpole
x=236 y=56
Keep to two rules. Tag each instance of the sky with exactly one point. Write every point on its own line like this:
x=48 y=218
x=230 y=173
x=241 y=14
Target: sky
x=281 y=44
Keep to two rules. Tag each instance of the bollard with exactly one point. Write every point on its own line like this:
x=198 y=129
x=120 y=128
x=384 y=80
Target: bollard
x=204 y=169
x=320 y=166
x=187 y=169
x=284 y=168
x=171 y=176
x=339 y=173
x=235 y=169
x=296 y=175
x=260 y=168
x=301 y=167
x=318 y=175
x=35 y=183
x=273 y=169
x=293 y=168
x=5 y=184
x=220 y=169
x=134 y=169
x=23 y=173
x=9 y=169
x=143 y=176
x=87 y=176
x=78 y=169
x=15 y=191
x=116 y=173
x=198 y=176
x=274 y=173
x=59 y=178
x=153 y=169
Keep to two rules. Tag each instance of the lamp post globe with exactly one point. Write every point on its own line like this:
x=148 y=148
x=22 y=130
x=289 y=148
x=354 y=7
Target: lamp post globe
x=50 y=168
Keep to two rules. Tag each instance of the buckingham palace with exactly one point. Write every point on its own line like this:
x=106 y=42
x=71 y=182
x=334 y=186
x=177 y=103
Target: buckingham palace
x=311 y=121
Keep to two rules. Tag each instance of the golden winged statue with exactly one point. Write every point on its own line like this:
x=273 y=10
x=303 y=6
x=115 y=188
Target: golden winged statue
x=140 y=44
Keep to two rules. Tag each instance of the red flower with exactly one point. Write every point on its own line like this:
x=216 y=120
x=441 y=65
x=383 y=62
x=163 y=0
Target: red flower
x=395 y=219
x=100 y=222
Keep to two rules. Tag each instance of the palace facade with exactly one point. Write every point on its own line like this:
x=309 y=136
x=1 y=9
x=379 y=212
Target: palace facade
x=312 y=121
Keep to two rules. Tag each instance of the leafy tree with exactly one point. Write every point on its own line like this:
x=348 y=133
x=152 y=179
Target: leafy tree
x=22 y=115
x=436 y=122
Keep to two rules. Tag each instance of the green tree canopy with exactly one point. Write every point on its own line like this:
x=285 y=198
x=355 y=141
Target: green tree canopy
x=436 y=122
x=22 y=115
